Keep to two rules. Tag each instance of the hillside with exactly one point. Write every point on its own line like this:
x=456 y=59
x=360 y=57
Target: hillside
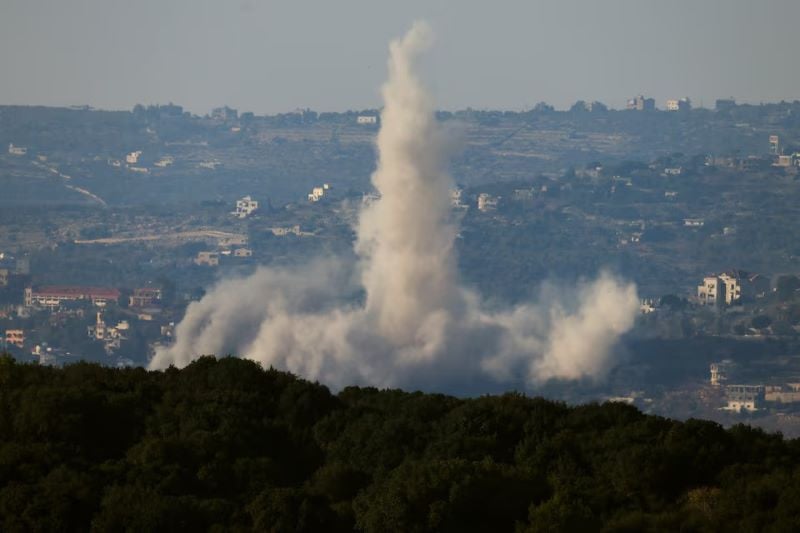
x=226 y=445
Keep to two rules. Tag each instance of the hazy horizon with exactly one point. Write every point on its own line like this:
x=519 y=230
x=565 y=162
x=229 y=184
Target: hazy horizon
x=271 y=57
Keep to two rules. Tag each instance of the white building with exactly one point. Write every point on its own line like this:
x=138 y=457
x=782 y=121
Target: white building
x=282 y=231
x=720 y=372
x=487 y=202
x=744 y=397
x=111 y=336
x=455 y=198
x=165 y=161
x=245 y=207
x=640 y=103
x=207 y=259
x=133 y=157
x=317 y=193
x=15 y=337
x=366 y=119
x=724 y=289
x=774 y=144
x=648 y=305
x=679 y=104
x=17 y=150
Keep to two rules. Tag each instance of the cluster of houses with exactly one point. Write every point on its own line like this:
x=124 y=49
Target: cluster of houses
x=110 y=336
x=729 y=377
x=143 y=302
x=731 y=288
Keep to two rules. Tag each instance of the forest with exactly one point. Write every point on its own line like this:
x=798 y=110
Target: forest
x=225 y=445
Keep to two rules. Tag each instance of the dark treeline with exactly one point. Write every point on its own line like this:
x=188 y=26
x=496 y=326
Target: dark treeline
x=225 y=445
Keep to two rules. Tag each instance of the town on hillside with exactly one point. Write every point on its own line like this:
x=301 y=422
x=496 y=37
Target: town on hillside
x=113 y=222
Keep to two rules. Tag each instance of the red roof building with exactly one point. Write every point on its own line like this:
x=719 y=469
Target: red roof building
x=53 y=295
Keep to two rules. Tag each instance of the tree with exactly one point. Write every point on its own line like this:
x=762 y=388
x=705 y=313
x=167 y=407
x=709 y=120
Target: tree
x=786 y=287
x=761 y=321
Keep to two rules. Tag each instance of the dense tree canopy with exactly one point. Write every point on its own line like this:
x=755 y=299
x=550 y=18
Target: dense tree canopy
x=226 y=445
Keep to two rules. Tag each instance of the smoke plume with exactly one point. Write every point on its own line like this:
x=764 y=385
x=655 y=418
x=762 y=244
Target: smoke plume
x=417 y=325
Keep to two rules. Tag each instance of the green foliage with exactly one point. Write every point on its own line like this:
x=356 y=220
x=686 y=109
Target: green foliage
x=226 y=445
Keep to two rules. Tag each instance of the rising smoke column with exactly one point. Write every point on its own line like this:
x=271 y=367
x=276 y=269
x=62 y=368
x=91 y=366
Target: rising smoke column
x=405 y=239
x=418 y=326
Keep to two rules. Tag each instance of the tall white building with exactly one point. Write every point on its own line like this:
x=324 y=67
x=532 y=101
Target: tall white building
x=719 y=290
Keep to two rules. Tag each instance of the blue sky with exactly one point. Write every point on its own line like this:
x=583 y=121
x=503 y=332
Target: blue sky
x=271 y=56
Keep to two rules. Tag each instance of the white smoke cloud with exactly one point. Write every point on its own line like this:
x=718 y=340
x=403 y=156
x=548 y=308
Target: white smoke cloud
x=417 y=325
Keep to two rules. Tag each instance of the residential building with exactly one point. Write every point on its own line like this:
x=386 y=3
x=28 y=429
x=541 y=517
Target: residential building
x=317 y=193
x=224 y=113
x=283 y=231
x=774 y=145
x=522 y=195
x=366 y=119
x=783 y=161
x=245 y=207
x=207 y=259
x=733 y=288
x=243 y=252
x=455 y=197
x=133 y=157
x=168 y=330
x=721 y=372
x=165 y=161
x=54 y=295
x=487 y=202
x=15 y=337
x=679 y=104
x=744 y=397
x=725 y=104
x=726 y=288
x=648 y=305
x=640 y=103
x=17 y=150
x=232 y=240
x=594 y=171
x=673 y=171
x=709 y=292
x=111 y=336
x=144 y=296
x=789 y=393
